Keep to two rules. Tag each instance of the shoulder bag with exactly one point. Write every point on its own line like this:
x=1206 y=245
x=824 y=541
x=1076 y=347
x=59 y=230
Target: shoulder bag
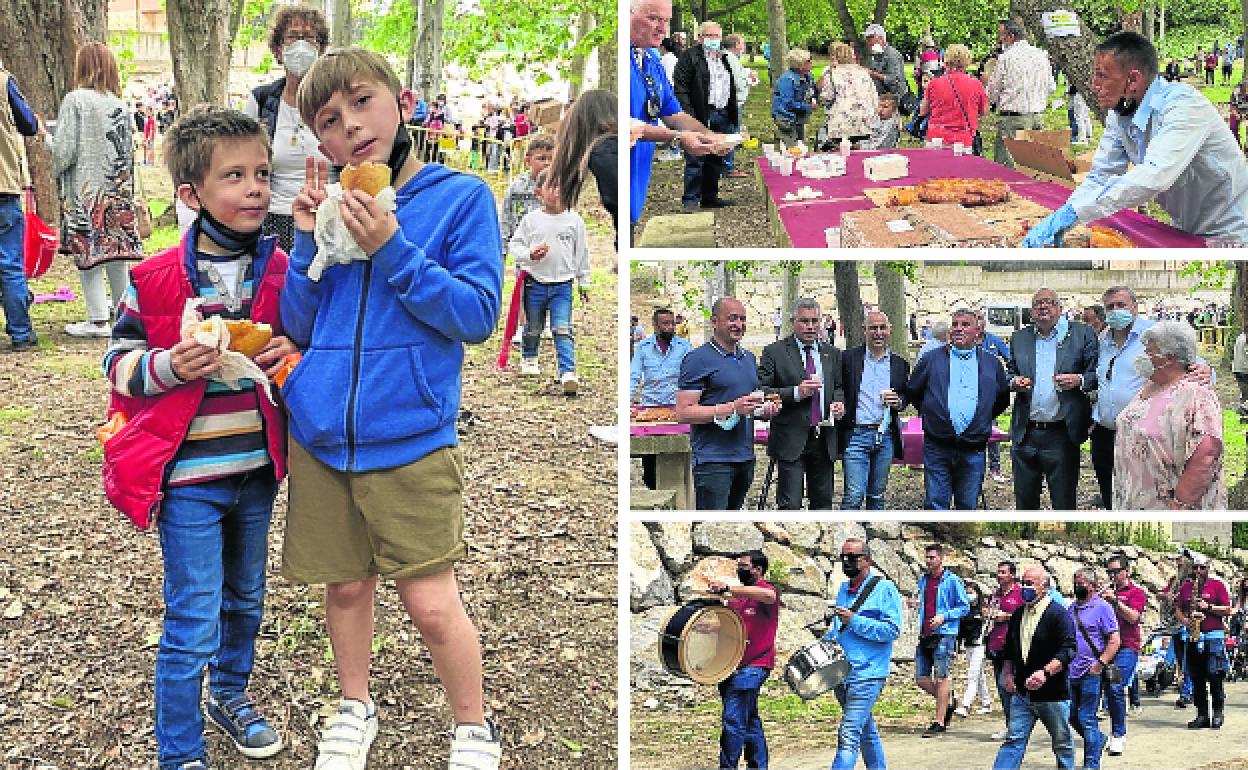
x=1110 y=674
x=977 y=141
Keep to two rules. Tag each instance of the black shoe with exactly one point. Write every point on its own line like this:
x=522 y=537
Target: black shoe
x=690 y=207
x=718 y=203
x=21 y=345
x=1182 y=702
x=1217 y=721
x=1200 y=722
x=935 y=728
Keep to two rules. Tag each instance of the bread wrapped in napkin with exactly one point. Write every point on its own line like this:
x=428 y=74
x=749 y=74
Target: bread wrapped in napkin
x=334 y=244
x=236 y=361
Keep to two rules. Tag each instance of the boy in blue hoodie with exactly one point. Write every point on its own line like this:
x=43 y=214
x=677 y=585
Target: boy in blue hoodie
x=376 y=476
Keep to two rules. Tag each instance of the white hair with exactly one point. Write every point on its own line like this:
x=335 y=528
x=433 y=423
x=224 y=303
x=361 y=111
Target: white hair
x=1173 y=338
x=874 y=30
x=706 y=25
x=798 y=57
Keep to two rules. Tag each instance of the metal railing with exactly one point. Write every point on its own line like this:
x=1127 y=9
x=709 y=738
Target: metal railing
x=497 y=161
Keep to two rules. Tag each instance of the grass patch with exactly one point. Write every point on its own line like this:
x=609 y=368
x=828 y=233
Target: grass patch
x=12 y=415
x=1234 y=441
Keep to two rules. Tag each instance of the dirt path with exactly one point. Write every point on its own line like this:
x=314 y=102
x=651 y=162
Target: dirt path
x=80 y=603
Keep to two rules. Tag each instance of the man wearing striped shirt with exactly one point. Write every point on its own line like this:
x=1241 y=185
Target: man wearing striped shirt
x=1019 y=86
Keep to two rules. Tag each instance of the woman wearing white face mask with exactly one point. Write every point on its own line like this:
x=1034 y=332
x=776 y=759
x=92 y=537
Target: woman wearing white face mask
x=298 y=37
x=1168 y=450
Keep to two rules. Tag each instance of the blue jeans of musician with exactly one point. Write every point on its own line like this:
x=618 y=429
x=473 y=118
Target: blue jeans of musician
x=13 y=289
x=555 y=298
x=857 y=731
x=214 y=540
x=1024 y=713
x=1085 y=697
x=951 y=475
x=868 y=456
x=743 y=729
x=1126 y=660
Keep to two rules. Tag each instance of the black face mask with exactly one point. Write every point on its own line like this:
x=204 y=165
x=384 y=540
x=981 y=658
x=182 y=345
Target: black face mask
x=746 y=576
x=401 y=149
x=666 y=337
x=1081 y=592
x=851 y=569
x=1126 y=106
x=229 y=239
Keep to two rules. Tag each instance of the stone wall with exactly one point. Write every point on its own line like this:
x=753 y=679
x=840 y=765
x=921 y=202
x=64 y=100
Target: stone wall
x=805 y=568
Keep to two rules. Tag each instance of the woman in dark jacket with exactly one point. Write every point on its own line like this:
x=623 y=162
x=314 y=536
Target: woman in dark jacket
x=971 y=635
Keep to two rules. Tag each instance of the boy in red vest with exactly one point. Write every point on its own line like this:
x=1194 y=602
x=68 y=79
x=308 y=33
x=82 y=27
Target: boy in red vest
x=205 y=457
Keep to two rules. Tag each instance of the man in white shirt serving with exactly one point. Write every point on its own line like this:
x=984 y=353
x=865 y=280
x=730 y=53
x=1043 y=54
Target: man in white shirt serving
x=1178 y=148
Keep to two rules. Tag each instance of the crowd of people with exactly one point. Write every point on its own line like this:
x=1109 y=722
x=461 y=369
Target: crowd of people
x=1049 y=658
x=1132 y=387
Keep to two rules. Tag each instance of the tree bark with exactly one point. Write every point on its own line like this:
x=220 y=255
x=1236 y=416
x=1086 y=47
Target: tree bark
x=1132 y=21
x=849 y=28
x=200 y=47
x=778 y=35
x=608 y=74
x=848 y=301
x=1243 y=18
x=430 y=19
x=881 y=11
x=792 y=287
x=1072 y=54
x=236 y=19
x=576 y=70
x=1150 y=19
x=338 y=13
x=890 y=286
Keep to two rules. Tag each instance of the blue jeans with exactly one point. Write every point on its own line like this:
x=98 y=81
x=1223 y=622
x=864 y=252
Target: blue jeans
x=730 y=162
x=214 y=539
x=722 y=486
x=555 y=298
x=1085 y=697
x=868 y=456
x=857 y=731
x=1005 y=697
x=1126 y=660
x=702 y=172
x=13 y=290
x=1023 y=717
x=743 y=730
x=1175 y=655
x=951 y=474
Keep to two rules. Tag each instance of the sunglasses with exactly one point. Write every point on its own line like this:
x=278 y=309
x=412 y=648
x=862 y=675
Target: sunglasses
x=1113 y=572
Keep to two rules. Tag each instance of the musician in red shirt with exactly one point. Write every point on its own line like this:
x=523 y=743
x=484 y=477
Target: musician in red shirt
x=1205 y=599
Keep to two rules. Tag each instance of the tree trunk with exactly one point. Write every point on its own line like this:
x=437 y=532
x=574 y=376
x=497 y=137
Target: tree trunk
x=200 y=47
x=721 y=281
x=1150 y=19
x=1132 y=21
x=1237 y=495
x=848 y=301
x=1161 y=20
x=430 y=18
x=236 y=19
x=792 y=287
x=1243 y=18
x=608 y=75
x=1072 y=54
x=849 y=28
x=890 y=286
x=338 y=13
x=881 y=10
x=778 y=35
x=576 y=73
x=42 y=64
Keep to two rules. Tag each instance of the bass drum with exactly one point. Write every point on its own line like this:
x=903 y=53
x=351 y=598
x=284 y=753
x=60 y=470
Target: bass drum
x=703 y=641
x=816 y=669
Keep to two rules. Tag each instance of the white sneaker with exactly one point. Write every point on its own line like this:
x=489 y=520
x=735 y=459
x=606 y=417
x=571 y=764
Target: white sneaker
x=1135 y=709
x=1000 y=735
x=961 y=711
x=87 y=329
x=475 y=747
x=346 y=739
x=569 y=382
x=529 y=367
x=1116 y=744
x=547 y=334
x=983 y=710
x=999 y=477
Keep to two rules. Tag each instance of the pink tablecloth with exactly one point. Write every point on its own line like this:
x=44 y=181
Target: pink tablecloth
x=674 y=429
x=805 y=221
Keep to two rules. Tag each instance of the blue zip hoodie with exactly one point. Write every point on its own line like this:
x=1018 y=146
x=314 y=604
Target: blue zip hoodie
x=951 y=601
x=383 y=339
x=868 y=639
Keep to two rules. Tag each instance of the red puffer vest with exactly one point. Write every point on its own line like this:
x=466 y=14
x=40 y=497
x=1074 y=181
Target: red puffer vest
x=136 y=457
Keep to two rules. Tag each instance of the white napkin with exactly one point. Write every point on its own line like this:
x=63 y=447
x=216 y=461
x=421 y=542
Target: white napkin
x=334 y=244
x=234 y=365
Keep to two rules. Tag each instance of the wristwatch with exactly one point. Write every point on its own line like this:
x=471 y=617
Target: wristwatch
x=675 y=143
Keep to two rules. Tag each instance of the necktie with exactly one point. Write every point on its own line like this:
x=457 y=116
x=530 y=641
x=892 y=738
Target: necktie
x=816 y=406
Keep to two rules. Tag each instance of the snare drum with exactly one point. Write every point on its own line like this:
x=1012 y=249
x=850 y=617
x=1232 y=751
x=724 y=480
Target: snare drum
x=816 y=668
x=703 y=641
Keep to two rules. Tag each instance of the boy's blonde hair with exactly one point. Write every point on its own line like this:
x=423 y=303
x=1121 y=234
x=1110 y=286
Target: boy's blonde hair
x=190 y=141
x=340 y=70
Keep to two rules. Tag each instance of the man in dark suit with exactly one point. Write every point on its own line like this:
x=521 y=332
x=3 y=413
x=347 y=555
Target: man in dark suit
x=870 y=434
x=706 y=89
x=1039 y=646
x=806 y=374
x=959 y=391
x=1052 y=370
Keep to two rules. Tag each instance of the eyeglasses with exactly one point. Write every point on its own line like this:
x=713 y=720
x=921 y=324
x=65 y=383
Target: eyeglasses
x=295 y=37
x=1044 y=303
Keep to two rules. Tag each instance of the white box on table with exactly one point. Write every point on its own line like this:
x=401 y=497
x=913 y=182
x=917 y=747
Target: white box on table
x=882 y=168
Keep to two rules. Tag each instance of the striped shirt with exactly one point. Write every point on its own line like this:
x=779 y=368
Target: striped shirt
x=226 y=436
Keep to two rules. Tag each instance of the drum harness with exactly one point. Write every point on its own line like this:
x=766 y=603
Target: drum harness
x=862 y=597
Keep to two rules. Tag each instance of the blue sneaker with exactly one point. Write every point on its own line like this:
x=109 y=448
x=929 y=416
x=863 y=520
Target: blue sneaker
x=237 y=717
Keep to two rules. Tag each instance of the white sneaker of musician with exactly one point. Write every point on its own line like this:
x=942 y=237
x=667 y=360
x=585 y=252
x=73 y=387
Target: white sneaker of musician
x=475 y=747
x=1116 y=744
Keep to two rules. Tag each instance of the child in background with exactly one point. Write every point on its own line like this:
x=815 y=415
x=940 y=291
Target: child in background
x=521 y=197
x=552 y=246
x=377 y=478
x=203 y=456
x=886 y=128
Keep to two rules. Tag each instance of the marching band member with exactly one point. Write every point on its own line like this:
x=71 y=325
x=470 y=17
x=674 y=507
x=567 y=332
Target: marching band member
x=1202 y=605
x=1128 y=601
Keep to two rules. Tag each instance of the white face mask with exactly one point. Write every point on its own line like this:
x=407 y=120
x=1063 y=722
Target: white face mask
x=298 y=57
x=877 y=48
x=1143 y=366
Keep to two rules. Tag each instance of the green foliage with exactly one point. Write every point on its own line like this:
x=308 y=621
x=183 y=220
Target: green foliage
x=1214 y=548
x=254 y=24
x=1239 y=534
x=1143 y=534
x=1182 y=42
x=122 y=44
x=265 y=65
x=391 y=31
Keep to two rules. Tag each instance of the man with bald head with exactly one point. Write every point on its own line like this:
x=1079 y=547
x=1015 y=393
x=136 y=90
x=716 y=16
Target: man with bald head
x=1039 y=647
x=1052 y=370
x=706 y=89
x=874 y=379
x=717 y=394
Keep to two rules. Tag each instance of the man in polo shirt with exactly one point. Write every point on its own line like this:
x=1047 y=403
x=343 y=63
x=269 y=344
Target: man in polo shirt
x=866 y=636
x=718 y=395
x=1004 y=602
x=1039 y=646
x=655 y=370
x=942 y=603
x=1128 y=601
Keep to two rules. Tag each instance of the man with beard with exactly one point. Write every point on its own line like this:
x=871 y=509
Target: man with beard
x=875 y=393
x=717 y=395
x=1001 y=607
x=959 y=392
x=1053 y=368
x=655 y=369
x=866 y=634
x=1039 y=646
x=1204 y=601
x=1128 y=601
x=1162 y=141
x=806 y=375
x=757 y=603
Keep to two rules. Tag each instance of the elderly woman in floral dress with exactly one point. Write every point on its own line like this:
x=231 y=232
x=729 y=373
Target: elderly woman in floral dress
x=1168 y=447
x=848 y=95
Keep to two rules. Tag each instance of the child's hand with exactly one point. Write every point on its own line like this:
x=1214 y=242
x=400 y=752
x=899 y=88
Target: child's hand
x=311 y=195
x=271 y=355
x=584 y=292
x=368 y=223
x=539 y=251
x=191 y=360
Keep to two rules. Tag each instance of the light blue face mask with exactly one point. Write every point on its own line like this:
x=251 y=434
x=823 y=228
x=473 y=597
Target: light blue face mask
x=728 y=423
x=711 y=44
x=1119 y=319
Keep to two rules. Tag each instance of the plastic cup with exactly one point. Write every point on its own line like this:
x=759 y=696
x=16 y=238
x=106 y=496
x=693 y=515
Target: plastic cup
x=959 y=149
x=786 y=165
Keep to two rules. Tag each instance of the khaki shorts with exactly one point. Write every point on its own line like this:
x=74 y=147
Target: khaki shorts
x=400 y=522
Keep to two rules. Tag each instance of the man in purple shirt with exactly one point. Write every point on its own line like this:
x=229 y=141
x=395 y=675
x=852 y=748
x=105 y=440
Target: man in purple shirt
x=1096 y=644
x=1128 y=601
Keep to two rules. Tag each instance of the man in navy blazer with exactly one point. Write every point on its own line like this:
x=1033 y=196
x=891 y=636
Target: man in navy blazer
x=875 y=393
x=959 y=391
x=1053 y=368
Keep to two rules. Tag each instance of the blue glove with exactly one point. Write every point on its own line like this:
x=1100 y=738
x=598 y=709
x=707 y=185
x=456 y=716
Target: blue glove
x=1049 y=231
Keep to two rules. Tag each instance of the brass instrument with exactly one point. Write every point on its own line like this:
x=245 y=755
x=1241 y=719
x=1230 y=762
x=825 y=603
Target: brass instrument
x=1195 y=617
